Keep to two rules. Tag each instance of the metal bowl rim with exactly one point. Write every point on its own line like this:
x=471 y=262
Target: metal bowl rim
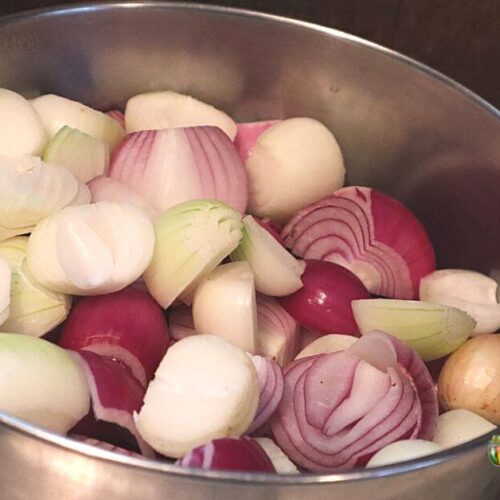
x=155 y=466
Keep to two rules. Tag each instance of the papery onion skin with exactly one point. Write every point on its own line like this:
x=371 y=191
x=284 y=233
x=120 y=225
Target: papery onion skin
x=127 y=325
x=470 y=378
x=370 y=233
x=323 y=304
x=171 y=166
x=271 y=384
x=238 y=454
x=307 y=428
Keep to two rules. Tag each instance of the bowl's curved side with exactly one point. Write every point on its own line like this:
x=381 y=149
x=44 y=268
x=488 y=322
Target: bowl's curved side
x=402 y=129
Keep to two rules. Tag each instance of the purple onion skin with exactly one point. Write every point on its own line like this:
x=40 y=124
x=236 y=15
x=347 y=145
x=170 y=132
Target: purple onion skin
x=230 y=454
x=323 y=304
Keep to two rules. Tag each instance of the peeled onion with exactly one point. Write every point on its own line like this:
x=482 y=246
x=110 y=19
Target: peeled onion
x=327 y=343
x=400 y=451
x=247 y=135
x=281 y=462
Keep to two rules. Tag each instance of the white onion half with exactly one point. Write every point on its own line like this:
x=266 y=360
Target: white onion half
x=400 y=451
x=21 y=129
x=50 y=388
x=32 y=190
x=205 y=388
x=167 y=109
x=91 y=249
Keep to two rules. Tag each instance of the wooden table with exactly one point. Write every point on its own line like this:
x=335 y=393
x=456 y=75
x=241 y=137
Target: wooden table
x=461 y=38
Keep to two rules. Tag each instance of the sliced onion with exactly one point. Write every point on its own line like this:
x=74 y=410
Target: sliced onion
x=103 y=445
x=91 y=249
x=469 y=291
x=191 y=240
x=127 y=325
x=116 y=394
x=272 y=228
x=21 y=129
x=118 y=116
x=224 y=305
x=459 y=426
x=171 y=166
x=108 y=189
x=277 y=272
x=368 y=232
x=34 y=309
x=56 y=112
x=432 y=330
x=327 y=343
x=32 y=190
x=281 y=462
x=83 y=155
x=41 y=383
x=278 y=332
x=323 y=304
x=5 y=277
x=271 y=385
x=338 y=410
x=400 y=451
x=205 y=388
x=180 y=322
x=238 y=454
x=247 y=134
x=292 y=164
x=167 y=109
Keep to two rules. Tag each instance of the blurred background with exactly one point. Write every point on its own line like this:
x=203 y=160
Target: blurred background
x=460 y=38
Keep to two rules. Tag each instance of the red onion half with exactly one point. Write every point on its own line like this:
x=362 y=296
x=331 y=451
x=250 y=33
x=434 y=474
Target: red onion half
x=271 y=385
x=115 y=393
x=171 y=166
x=338 y=409
x=241 y=454
x=370 y=233
x=127 y=325
x=323 y=304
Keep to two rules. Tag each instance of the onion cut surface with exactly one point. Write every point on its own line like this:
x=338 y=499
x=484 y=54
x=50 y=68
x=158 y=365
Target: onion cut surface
x=278 y=332
x=271 y=384
x=370 y=233
x=171 y=166
x=238 y=454
x=127 y=325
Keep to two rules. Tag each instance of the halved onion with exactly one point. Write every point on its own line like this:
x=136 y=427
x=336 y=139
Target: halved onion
x=281 y=462
x=239 y=454
x=432 y=330
x=127 y=325
x=326 y=344
x=278 y=332
x=271 y=385
x=83 y=155
x=171 y=166
x=115 y=393
x=56 y=112
x=91 y=249
x=21 y=129
x=400 y=451
x=32 y=190
x=167 y=109
x=205 y=388
x=41 y=383
x=191 y=240
x=34 y=309
x=292 y=164
x=224 y=305
x=368 y=232
x=277 y=272
x=469 y=291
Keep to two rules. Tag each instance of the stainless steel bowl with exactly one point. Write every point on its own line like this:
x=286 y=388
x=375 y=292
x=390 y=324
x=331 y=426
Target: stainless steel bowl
x=404 y=129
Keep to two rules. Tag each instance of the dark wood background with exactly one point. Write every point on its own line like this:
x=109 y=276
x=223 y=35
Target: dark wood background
x=461 y=38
